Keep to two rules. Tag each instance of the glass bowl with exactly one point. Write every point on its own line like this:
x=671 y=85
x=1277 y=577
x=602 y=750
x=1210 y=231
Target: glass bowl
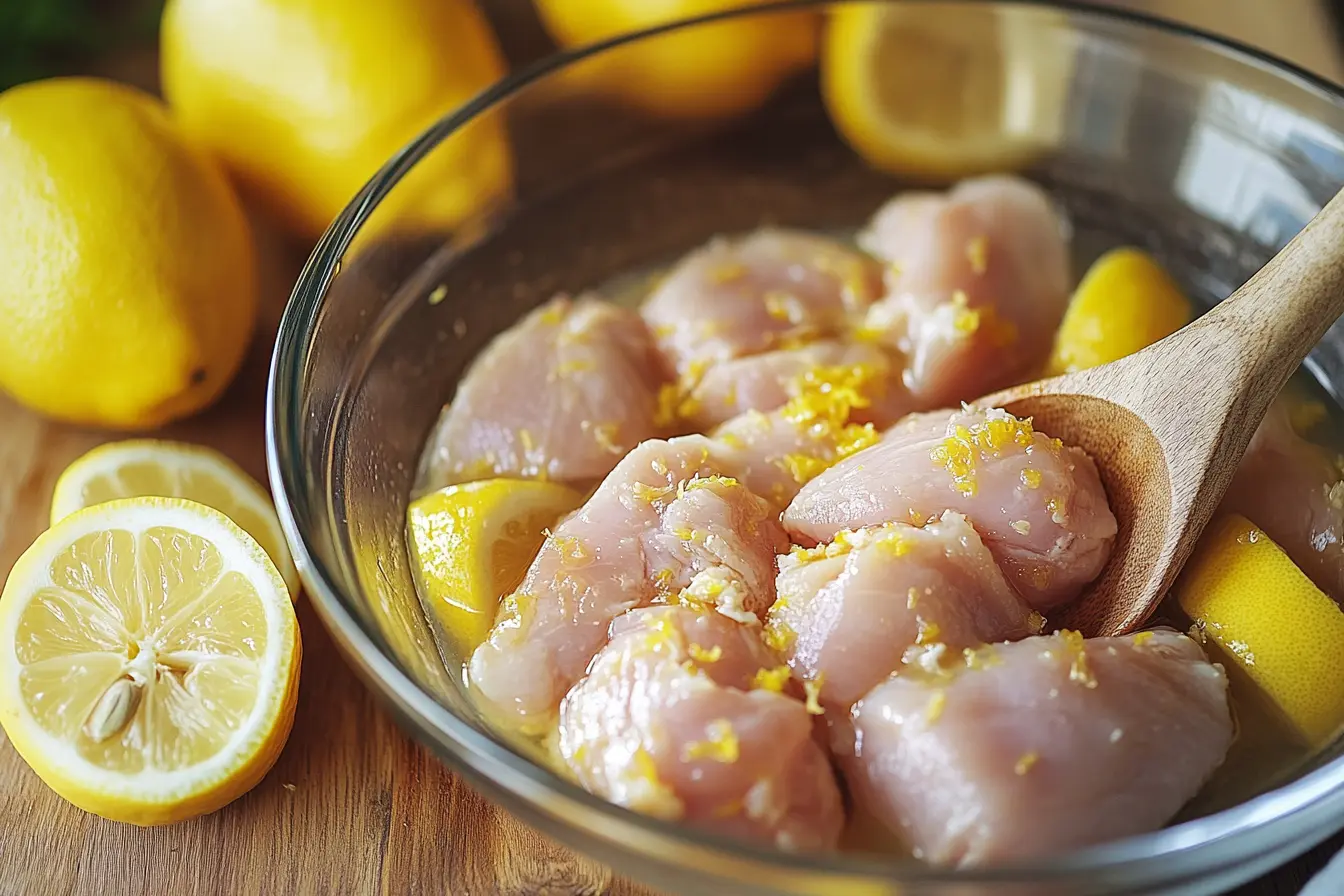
x=1209 y=154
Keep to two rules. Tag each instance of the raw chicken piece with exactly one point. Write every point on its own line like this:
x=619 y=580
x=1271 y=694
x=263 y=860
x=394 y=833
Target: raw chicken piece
x=1292 y=489
x=765 y=382
x=978 y=284
x=1038 y=504
x=847 y=612
x=562 y=395
x=667 y=723
x=1040 y=746
x=775 y=454
x=663 y=525
x=771 y=289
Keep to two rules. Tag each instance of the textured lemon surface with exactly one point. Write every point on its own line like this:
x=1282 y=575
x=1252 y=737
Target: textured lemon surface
x=154 y=468
x=472 y=543
x=149 y=660
x=1125 y=302
x=127 y=281
x=1267 y=617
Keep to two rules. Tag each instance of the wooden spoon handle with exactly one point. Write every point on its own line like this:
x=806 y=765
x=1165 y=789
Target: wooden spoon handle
x=1284 y=310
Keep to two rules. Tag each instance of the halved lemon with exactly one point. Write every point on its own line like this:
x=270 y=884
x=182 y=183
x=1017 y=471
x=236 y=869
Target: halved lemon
x=1268 y=619
x=471 y=544
x=149 y=660
x=942 y=93
x=151 y=468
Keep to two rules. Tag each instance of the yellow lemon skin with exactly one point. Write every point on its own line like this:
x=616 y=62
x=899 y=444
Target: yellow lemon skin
x=1125 y=302
x=304 y=100
x=472 y=543
x=707 y=71
x=1269 y=620
x=127 y=278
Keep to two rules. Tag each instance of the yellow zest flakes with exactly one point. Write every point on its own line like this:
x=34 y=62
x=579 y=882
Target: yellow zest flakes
x=1031 y=478
x=1025 y=762
x=529 y=443
x=888 y=536
x=937 y=702
x=1079 y=670
x=719 y=745
x=577 y=366
x=674 y=405
x=727 y=272
x=662 y=634
x=1056 y=508
x=784 y=306
x=771 y=679
x=1021 y=527
x=965 y=320
x=686 y=533
x=854 y=438
x=552 y=313
x=662 y=331
x=911 y=598
x=648 y=494
x=1035 y=622
x=441 y=292
x=812 y=689
x=778 y=635
x=605 y=435
x=662 y=580
x=1142 y=638
x=981 y=657
x=803 y=468
x=698 y=481
x=701 y=655
x=965 y=446
x=823 y=397
x=732 y=440
x=659 y=466
x=928 y=632
x=573 y=551
x=977 y=253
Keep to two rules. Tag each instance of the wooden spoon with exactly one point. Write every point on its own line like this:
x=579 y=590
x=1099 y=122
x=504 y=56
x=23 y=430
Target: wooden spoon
x=1168 y=425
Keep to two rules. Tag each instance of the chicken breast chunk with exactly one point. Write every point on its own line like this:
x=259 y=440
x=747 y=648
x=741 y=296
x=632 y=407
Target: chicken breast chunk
x=562 y=395
x=1294 y=491
x=847 y=612
x=664 y=525
x=1037 y=503
x=977 y=285
x=1040 y=746
x=669 y=722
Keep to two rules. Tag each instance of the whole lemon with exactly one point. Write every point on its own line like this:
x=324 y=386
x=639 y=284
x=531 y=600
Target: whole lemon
x=704 y=71
x=304 y=100
x=127 y=282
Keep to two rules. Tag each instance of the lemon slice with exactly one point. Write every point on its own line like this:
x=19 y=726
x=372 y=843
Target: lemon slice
x=149 y=468
x=472 y=543
x=1269 y=620
x=938 y=94
x=1125 y=302
x=149 y=660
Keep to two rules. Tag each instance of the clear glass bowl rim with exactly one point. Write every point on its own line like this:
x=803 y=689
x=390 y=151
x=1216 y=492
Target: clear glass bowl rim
x=488 y=760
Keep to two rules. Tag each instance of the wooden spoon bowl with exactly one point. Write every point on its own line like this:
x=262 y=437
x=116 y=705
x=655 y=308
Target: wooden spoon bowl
x=1168 y=425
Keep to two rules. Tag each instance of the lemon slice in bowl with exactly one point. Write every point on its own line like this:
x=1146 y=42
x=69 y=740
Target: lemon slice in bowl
x=154 y=468
x=471 y=544
x=149 y=660
x=942 y=93
x=1269 y=620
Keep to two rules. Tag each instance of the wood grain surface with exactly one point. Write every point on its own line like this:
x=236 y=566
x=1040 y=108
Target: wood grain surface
x=354 y=806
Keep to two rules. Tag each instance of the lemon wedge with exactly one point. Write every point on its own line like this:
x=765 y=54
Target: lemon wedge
x=938 y=94
x=472 y=543
x=149 y=468
x=1269 y=620
x=1125 y=302
x=149 y=660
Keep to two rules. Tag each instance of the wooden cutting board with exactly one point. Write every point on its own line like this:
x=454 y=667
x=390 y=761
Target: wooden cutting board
x=354 y=806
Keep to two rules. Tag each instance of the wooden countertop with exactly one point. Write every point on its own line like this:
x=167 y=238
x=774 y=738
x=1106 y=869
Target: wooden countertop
x=354 y=806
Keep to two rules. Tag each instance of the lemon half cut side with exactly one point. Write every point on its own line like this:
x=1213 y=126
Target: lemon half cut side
x=149 y=660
